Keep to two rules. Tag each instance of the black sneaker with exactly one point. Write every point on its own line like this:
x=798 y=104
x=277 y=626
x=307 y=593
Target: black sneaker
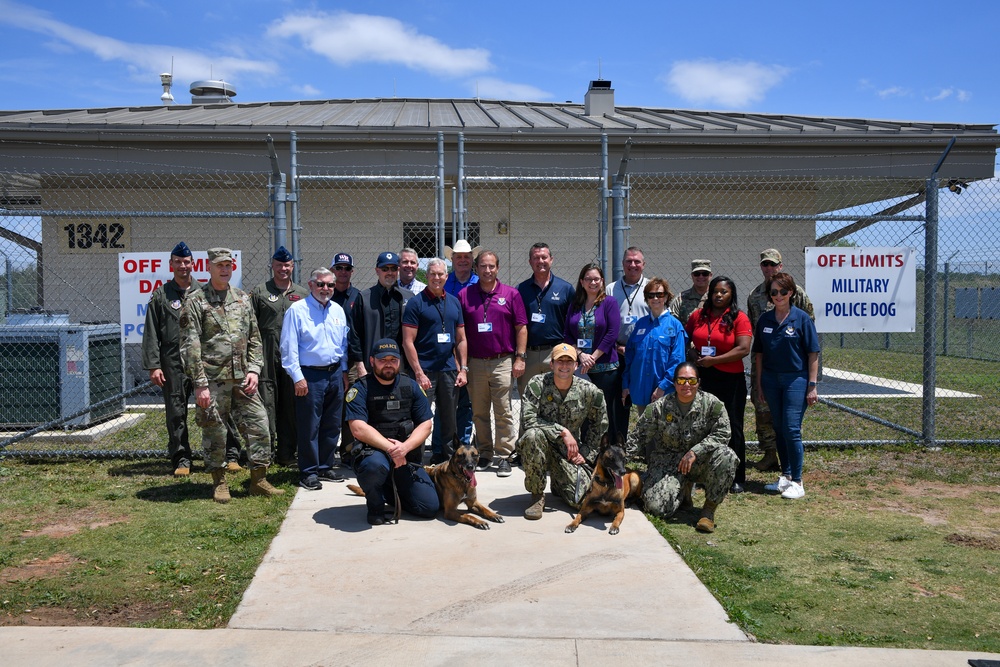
x=310 y=483
x=484 y=463
x=376 y=519
x=503 y=468
x=331 y=476
x=515 y=459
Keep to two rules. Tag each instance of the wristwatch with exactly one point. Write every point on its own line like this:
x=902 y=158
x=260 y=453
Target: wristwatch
x=812 y=384
x=464 y=368
x=523 y=356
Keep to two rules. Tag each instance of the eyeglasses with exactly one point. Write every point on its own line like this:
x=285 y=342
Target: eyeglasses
x=593 y=280
x=782 y=292
x=688 y=381
x=700 y=274
x=656 y=295
x=390 y=269
x=320 y=284
x=342 y=267
x=768 y=263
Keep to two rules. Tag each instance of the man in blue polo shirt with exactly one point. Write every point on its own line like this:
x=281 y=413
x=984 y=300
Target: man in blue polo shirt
x=434 y=343
x=546 y=299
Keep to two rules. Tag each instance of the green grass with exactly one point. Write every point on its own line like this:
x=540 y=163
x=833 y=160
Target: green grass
x=894 y=548
x=123 y=543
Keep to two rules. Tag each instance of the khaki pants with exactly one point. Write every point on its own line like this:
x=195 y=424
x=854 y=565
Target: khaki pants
x=490 y=382
x=536 y=363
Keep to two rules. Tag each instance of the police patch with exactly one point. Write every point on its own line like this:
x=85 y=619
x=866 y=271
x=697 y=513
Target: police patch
x=351 y=394
x=272 y=298
x=175 y=304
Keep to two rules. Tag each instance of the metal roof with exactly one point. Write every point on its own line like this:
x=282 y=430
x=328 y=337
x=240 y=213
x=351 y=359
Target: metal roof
x=468 y=115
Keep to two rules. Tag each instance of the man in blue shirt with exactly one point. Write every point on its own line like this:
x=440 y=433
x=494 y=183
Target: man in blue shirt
x=461 y=277
x=390 y=415
x=314 y=336
x=434 y=343
x=546 y=299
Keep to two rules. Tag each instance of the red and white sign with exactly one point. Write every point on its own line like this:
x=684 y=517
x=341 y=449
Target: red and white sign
x=140 y=273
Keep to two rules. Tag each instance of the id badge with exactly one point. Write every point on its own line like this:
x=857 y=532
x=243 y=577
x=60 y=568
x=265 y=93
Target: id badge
x=628 y=319
x=485 y=327
x=768 y=330
x=640 y=332
x=583 y=343
x=444 y=337
x=538 y=317
x=708 y=350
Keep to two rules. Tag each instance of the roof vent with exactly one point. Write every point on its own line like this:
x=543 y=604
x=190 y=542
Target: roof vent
x=600 y=99
x=211 y=92
x=167 y=80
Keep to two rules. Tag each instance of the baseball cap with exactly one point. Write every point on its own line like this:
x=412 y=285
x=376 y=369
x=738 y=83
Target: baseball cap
x=770 y=255
x=219 y=255
x=563 y=350
x=385 y=347
x=342 y=258
x=701 y=265
x=387 y=259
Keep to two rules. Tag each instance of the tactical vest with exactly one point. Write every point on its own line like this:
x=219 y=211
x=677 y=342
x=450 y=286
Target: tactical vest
x=389 y=413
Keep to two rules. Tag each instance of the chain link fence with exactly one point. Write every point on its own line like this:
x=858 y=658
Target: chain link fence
x=61 y=234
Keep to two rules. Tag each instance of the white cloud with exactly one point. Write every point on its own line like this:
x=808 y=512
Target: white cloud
x=730 y=83
x=893 y=91
x=346 y=39
x=964 y=95
x=943 y=95
x=144 y=61
x=307 y=90
x=496 y=89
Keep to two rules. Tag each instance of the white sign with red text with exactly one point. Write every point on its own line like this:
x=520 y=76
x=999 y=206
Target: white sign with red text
x=862 y=289
x=140 y=273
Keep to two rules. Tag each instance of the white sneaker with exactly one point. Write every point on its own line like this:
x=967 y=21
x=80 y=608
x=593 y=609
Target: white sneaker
x=794 y=491
x=778 y=486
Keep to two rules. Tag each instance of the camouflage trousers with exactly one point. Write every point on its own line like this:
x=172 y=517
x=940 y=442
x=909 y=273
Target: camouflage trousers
x=250 y=417
x=540 y=457
x=766 y=439
x=661 y=485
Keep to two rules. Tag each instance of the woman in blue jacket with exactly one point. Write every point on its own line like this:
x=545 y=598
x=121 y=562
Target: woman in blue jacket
x=656 y=347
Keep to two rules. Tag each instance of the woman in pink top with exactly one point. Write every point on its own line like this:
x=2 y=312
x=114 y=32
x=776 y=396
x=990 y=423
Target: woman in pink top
x=720 y=334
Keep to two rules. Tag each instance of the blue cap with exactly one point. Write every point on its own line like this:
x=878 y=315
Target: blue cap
x=342 y=258
x=281 y=255
x=385 y=347
x=387 y=258
x=181 y=250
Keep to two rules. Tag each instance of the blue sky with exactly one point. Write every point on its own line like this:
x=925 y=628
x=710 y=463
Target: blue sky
x=915 y=60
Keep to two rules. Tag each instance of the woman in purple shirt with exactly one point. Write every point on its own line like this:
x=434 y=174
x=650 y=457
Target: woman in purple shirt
x=592 y=326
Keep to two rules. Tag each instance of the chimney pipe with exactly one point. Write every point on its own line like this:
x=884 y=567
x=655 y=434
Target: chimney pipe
x=600 y=99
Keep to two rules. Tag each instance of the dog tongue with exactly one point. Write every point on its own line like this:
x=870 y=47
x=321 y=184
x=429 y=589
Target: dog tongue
x=472 y=477
x=618 y=481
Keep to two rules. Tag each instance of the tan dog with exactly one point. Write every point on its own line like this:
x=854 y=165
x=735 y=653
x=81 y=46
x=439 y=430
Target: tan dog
x=610 y=488
x=455 y=481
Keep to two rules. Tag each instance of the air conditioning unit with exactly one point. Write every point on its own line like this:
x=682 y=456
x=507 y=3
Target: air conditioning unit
x=50 y=369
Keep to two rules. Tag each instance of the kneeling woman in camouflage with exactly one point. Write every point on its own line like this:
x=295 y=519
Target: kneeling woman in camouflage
x=686 y=439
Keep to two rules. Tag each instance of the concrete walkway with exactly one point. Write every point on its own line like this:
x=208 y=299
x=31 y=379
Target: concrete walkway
x=334 y=591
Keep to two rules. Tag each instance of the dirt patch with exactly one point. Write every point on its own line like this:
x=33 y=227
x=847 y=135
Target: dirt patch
x=117 y=616
x=39 y=568
x=990 y=543
x=64 y=527
x=928 y=516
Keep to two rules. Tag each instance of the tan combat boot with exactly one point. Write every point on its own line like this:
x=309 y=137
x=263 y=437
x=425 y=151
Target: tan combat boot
x=706 y=524
x=259 y=486
x=534 y=511
x=220 y=490
x=233 y=466
x=182 y=471
x=770 y=462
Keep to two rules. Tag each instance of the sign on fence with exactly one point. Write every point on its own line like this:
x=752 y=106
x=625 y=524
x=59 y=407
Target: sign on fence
x=862 y=289
x=140 y=273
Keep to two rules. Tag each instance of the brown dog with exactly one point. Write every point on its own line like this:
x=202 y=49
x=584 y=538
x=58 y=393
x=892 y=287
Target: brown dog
x=610 y=488
x=455 y=480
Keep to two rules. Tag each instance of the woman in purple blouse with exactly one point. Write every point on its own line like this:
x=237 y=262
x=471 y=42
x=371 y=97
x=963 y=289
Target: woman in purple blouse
x=592 y=326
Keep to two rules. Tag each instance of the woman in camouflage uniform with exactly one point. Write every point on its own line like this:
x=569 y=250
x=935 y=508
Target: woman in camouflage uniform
x=686 y=438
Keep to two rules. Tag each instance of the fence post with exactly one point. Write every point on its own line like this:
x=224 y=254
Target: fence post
x=440 y=196
x=618 y=213
x=603 y=193
x=293 y=157
x=460 y=201
x=930 y=311
x=947 y=289
x=279 y=196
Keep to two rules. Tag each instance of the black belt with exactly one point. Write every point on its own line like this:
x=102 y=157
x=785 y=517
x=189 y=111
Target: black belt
x=327 y=369
x=547 y=346
x=495 y=356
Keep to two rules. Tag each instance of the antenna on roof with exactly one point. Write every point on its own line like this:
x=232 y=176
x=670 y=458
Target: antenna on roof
x=167 y=80
x=477 y=90
x=599 y=74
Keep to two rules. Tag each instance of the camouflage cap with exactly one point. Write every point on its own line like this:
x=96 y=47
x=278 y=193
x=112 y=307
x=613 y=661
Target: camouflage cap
x=770 y=255
x=220 y=255
x=563 y=351
x=701 y=265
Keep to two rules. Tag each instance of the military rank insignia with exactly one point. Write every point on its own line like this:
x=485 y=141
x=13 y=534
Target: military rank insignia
x=669 y=418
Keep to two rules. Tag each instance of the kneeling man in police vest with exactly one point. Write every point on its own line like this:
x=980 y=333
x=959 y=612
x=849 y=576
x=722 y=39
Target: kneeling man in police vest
x=390 y=417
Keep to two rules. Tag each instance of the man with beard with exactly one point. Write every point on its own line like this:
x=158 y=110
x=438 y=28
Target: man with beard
x=314 y=337
x=382 y=305
x=390 y=417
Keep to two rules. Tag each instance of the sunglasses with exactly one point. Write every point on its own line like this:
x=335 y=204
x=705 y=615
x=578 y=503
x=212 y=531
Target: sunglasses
x=688 y=381
x=341 y=267
x=782 y=292
x=320 y=284
x=700 y=274
x=768 y=263
x=656 y=295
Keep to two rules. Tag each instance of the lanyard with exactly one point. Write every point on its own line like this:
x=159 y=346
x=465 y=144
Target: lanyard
x=541 y=294
x=635 y=293
x=487 y=300
x=437 y=305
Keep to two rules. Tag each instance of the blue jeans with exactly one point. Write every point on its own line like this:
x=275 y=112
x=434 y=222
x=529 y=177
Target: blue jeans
x=417 y=494
x=317 y=420
x=786 y=398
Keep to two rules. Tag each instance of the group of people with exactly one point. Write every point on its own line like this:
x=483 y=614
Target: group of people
x=581 y=356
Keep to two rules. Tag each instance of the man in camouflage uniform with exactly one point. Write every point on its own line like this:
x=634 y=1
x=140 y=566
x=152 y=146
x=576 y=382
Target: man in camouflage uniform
x=686 y=438
x=694 y=298
x=221 y=351
x=757 y=305
x=562 y=420
x=161 y=356
x=270 y=301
